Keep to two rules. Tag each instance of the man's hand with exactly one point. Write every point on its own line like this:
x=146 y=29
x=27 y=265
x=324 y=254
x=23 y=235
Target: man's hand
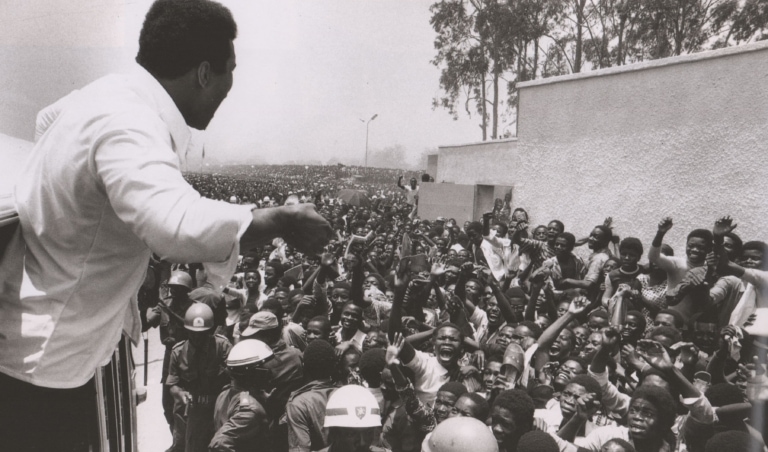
x=487 y=216
x=394 y=349
x=630 y=356
x=578 y=305
x=327 y=260
x=611 y=340
x=665 y=224
x=306 y=230
x=723 y=226
x=586 y=406
x=608 y=222
x=654 y=354
x=438 y=268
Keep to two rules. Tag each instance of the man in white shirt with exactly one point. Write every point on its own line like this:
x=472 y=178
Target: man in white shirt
x=103 y=191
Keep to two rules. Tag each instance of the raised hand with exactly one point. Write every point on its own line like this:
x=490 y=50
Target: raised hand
x=394 y=348
x=608 y=222
x=438 y=268
x=630 y=356
x=611 y=340
x=578 y=305
x=586 y=406
x=305 y=229
x=665 y=224
x=327 y=259
x=654 y=354
x=723 y=226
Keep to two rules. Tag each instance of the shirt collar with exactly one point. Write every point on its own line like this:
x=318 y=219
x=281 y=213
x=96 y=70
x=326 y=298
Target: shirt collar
x=166 y=108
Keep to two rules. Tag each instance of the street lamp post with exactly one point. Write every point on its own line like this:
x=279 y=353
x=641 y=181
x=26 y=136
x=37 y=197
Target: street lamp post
x=367 y=123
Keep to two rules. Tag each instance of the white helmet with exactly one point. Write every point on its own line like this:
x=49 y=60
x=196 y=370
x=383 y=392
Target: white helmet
x=459 y=434
x=352 y=406
x=233 y=199
x=248 y=352
x=246 y=361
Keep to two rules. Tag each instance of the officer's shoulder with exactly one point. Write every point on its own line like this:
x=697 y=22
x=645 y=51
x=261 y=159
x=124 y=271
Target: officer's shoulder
x=179 y=344
x=221 y=337
x=247 y=401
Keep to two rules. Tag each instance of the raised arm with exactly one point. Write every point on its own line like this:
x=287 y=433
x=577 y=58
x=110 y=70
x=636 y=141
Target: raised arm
x=654 y=254
x=549 y=335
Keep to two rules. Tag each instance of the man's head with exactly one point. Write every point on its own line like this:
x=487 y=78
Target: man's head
x=668 y=317
x=319 y=360
x=651 y=413
x=564 y=243
x=554 y=228
x=753 y=255
x=511 y=417
x=372 y=364
x=577 y=387
x=448 y=340
x=562 y=346
x=572 y=367
x=264 y=326
x=318 y=328
x=698 y=244
x=630 y=252
x=600 y=237
x=446 y=398
x=188 y=47
x=633 y=327
x=351 y=317
x=471 y=404
x=475 y=232
x=598 y=319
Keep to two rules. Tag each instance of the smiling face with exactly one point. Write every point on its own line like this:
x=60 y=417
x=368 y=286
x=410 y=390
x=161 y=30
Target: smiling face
x=597 y=239
x=630 y=329
x=752 y=258
x=696 y=249
x=317 y=330
x=565 y=372
x=594 y=341
x=351 y=318
x=473 y=290
x=562 y=346
x=493 y=311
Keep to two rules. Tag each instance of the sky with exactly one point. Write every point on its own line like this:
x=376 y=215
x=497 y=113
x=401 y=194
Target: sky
x=307 y=73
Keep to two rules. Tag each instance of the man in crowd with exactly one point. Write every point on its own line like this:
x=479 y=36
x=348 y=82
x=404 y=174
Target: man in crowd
x=104 y=191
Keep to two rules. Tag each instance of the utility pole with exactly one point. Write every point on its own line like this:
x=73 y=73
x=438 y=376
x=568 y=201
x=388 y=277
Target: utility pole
x=367 y=123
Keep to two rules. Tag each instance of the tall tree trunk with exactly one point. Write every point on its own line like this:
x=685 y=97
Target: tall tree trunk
x=484 y=125
x=495 y=132
x=535 y=58
x=579 y=32
x=619 y=49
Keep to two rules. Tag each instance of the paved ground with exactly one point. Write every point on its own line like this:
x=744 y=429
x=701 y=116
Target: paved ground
x=154 y=435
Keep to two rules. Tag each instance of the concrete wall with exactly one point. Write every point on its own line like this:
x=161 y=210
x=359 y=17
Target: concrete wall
x=446 y=200
x=432 y=160
x=684 y=137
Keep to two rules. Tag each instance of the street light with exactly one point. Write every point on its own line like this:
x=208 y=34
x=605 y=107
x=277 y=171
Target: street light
x=366 y=138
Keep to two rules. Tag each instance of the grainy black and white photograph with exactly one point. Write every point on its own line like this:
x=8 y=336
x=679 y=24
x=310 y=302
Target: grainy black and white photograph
x=383 y=226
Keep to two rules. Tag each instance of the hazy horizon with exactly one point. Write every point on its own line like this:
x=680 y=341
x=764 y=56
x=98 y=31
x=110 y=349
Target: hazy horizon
x=307 y=74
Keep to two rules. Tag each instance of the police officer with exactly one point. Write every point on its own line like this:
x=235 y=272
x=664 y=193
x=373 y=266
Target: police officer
x=168 y=314
x=353 y=418
x=240 y=420
x=196 y=376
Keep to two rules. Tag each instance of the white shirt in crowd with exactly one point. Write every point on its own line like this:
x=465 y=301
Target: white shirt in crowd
x=102 y=188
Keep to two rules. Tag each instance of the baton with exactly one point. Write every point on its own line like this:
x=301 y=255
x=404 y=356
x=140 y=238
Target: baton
x=167 y=309
x=146 y=352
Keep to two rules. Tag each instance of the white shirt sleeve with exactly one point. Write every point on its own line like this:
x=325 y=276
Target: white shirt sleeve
x=140 y=175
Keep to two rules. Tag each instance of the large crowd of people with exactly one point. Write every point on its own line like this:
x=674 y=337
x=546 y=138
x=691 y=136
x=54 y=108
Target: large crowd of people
x=318 y=311
x=411 y=334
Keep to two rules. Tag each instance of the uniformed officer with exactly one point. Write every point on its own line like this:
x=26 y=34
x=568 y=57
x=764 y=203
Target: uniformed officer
x=353 y=419
x=196 y=376
x=168 y=314
x=240 y=420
